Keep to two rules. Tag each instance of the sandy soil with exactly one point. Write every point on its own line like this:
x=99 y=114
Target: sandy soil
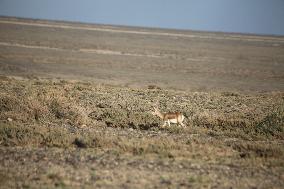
x=139 y=57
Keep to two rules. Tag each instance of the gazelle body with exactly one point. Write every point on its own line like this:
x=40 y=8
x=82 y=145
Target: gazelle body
x=169 y=118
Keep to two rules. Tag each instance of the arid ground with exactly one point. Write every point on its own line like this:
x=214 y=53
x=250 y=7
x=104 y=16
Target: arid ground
x=76 y=102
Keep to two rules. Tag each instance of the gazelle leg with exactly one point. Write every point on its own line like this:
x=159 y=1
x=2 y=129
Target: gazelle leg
x=179 y=123
x=169 y=123
x=164 y=124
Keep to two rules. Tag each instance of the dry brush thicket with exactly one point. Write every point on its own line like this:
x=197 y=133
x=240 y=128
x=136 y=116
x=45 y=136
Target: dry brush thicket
x=67 y=105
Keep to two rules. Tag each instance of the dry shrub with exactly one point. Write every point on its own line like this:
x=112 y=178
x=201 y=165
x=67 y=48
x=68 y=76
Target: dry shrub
x=38 y=109
x=272 y=124
x=66 y=110
x=51 y=106
x=13 y=107
x=152 y=87
x=219 y=122
x=22 y=135
x=126 y=118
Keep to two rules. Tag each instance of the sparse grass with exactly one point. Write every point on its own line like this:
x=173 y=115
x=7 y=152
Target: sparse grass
x=200 y=181
x=221 y=128
x=253 y=149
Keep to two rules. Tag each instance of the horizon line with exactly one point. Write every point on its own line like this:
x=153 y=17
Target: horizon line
x=143 y=27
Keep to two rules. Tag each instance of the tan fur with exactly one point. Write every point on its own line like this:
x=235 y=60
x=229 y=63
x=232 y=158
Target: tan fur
x=176 y=117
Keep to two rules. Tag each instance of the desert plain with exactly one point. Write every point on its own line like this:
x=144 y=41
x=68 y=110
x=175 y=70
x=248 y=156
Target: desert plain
x=76 y=102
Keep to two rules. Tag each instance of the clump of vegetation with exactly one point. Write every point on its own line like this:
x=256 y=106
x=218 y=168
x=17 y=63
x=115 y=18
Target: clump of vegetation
x=272 y=124
x=82 y=105
x=33 y=135
x=41 y=103
x=13 y=107
x=268 y=124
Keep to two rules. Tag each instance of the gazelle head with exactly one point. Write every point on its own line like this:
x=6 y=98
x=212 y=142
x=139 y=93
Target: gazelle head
x=156 y=111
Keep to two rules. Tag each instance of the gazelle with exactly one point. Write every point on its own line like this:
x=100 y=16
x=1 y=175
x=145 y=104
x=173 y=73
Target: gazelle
x=169 y=118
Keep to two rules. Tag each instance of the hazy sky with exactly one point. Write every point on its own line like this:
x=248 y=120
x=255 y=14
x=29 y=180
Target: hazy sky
x=248 y=16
